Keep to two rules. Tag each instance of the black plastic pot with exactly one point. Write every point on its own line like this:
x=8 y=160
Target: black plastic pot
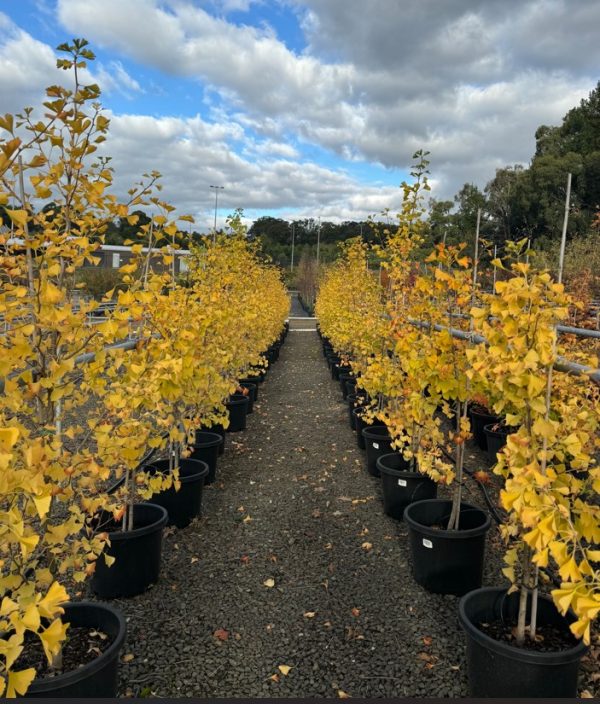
x=478 y=422
x=495 y=439
x=137 y=554
x=252 y=387
x=257 y=375
x=183 y=505
x=350 y=387
x=500 y=670
x=206 y=449
x=343 y=377
x=360 y=424
x=218 y=430
x=446 y=561
x=248 y=395
x=401 y=486
x=237 y=406
x=377 y=442
x=354 y=401
x=98 y=678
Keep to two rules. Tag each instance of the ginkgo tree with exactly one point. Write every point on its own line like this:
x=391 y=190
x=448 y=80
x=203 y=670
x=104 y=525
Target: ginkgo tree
x=51 y=472
x=551 y=475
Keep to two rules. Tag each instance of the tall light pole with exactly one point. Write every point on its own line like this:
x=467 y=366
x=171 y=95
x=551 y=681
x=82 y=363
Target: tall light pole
x=216 y=189
x=318 y=242
x=293 y=236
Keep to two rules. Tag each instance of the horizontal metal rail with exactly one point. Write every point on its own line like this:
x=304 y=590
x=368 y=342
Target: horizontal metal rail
x=86 y=357
x=562 y=329
x=561 y=364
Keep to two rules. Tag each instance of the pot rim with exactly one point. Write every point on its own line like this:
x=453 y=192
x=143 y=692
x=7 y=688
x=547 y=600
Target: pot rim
x=400 y=473
x=510 y=651
x=209 y=442
x=459 y=534
x=201 y=473
x=237 y=400
x=48 y=684
x=375 y=434
x=160 y=523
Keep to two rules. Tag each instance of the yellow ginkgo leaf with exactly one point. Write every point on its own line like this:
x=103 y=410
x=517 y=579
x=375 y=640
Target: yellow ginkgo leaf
x=284 y=669
x=18 y=682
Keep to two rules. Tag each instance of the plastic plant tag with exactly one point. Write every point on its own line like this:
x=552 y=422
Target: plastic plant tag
x=402 y=482
x=376 y=445
x=427 y=543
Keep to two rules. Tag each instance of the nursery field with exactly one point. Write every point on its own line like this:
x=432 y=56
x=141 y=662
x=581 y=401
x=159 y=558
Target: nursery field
x=293 y=503
x=204 y=495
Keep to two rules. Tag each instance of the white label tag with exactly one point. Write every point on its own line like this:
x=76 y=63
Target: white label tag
x=427 y=543
x=376 y=445
x=402 y=482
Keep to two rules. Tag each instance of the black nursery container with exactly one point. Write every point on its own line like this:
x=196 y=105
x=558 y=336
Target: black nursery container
x=183 y=505
x=495 y=439
x=446 y=561
x=478 y=422
x=500 y=670
x=401 y=486
x=137 y=554
x=377 y=443
x=360 y=424
x=219 y=430
x=98 y=678
x=354 y=401
x=237 y=405
x=206 y=449
x=252 y=387
x=343 y=378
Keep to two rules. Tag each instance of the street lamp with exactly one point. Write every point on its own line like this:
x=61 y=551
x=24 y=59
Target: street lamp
x=318 y=242
x=216 y=189
x=293 y=237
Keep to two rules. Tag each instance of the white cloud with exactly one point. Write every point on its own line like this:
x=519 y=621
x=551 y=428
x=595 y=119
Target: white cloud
x=468 y=80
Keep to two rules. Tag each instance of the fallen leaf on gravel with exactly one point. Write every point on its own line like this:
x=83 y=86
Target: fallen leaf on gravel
x=364 y=531
x=367 y=546
x=327 y=624
x=328 y=546
x=355 y=611
x=427 y=640
x=316 y=513
x=342 y=695
x=273 y=558
x=244 y=559
x=455 y=667
x=310 y=614
x=241 y=509
x=284 y=669
x=128 y=658
x=274 y=678
x=221 y=634
x=247 y=519
x=586 y=694
x=269 y=582
x=359 y=501
x=194 y=559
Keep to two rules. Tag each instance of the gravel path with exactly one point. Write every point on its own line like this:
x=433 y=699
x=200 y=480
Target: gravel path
x=294 y=508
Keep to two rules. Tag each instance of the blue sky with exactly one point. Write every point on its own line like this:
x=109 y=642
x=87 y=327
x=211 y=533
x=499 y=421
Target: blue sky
x=311 y=108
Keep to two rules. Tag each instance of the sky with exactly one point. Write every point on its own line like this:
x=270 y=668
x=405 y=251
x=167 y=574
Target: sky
x=310 y=108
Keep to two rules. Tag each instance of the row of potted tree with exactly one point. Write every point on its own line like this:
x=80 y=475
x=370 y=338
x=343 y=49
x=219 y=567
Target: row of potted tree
x=97 y=417
x=413 y=336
